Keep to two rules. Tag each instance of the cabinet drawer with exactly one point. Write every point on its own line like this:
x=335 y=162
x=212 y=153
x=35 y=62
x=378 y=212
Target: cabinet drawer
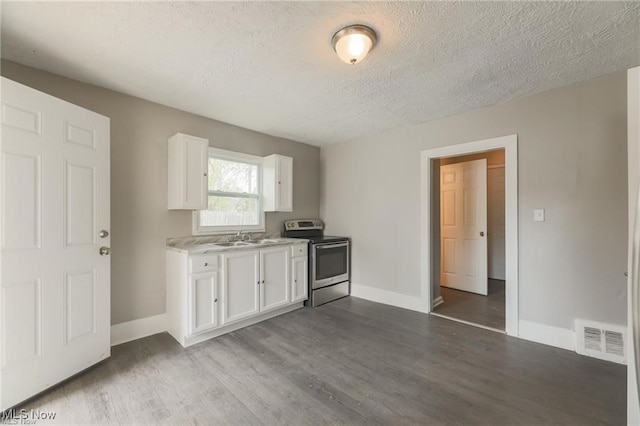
x=203 y=263
x=299 y=250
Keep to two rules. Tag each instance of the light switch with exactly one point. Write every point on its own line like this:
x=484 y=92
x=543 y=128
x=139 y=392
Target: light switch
x=538 y=215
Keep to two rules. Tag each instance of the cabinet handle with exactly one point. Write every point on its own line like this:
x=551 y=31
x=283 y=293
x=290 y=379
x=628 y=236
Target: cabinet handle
x=262 y=281
x=258 y=282
x=205 y=175
x=206 y=264
x=215 y=300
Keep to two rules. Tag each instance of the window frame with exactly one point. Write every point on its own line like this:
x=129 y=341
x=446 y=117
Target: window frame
x=237 y=157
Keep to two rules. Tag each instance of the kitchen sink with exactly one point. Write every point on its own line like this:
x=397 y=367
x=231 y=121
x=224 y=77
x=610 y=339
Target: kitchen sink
x=263 y=241
x=233 y=244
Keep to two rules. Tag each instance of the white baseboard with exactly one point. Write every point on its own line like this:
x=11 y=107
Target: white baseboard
x=437 y=302
x=389 y=298
x=548 y=335
x=137 y=329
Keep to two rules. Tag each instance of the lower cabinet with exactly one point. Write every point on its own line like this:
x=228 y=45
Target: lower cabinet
x=212 y=294
x=274 y=278
x=240 y=285
x=203 y=302
x=253 y=282
x=299 y=273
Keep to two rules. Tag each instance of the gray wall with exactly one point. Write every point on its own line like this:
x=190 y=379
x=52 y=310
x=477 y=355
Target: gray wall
x=572 y=162
x=140 y=221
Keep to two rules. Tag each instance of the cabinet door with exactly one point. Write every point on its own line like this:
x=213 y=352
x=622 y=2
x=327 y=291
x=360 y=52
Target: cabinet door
x=284 y=188
x=240 y=285
x=300 y=274
x=203 y=302
x=277 y=183
x=187 y=173
x=274 y=280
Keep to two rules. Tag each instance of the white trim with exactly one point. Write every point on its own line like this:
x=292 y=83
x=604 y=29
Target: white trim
x=219 y=331
x=633 y=178
x=235 y=156
x=388 y=297
x=548 y=335
x=510 y=145
x=137 y=329
x=473 y=324
x=437 y=302
x=238 y=157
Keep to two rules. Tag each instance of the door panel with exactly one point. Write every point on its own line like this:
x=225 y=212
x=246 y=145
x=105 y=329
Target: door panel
x=300 y=285
x=22 y=118
x=204 y=302
x=80 y=305
x=275 y=278
x=80 y=135
x=241 y=276
x=21 y=201
x=55 y=286
x=79 y=209
x=463 y=212
x=21 y=322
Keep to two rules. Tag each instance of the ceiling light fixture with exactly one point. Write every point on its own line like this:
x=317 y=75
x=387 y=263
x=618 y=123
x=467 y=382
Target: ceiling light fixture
x=352 y=43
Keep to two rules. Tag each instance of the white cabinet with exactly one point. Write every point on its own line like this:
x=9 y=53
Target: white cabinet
x=274 y=278
x=299 y=273
x=217 y=292
x=187 y=172
x=203 y=302
x=277 y=183
x=192 y=294
x=254 y=281
x=240 y=285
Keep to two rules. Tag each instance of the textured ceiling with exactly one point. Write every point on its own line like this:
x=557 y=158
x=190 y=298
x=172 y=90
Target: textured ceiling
x=269 y=66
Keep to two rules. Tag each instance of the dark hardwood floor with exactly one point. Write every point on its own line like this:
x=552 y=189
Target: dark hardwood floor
x=484 y=310
x=348 y=362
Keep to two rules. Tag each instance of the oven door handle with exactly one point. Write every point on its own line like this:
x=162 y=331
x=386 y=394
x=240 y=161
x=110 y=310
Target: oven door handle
x=328 y=246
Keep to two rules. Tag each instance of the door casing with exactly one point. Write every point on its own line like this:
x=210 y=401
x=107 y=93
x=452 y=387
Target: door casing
x=510 y=145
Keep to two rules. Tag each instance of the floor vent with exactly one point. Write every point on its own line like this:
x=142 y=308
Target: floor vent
x=603 y=341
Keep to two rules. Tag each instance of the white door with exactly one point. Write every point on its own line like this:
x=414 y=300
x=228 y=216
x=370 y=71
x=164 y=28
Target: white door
x=55 y=285
x=300 y=273
x=496 y=222
x=284 y=188
x=203 y=299
x=274 y=283
x=240 y=285
x=463 y=219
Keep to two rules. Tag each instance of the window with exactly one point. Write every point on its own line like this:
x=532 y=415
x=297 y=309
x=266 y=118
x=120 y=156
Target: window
x=234 y=194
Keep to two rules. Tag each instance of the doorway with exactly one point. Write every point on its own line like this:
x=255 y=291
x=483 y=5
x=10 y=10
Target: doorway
x=471 y=198
x=430 y=220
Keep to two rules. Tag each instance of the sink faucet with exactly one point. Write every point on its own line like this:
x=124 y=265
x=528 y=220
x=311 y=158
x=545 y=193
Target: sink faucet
x=237 y=237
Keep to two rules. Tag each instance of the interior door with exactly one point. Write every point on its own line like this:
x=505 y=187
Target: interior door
x=463 y=221
x=55 y=284
x=496 y=223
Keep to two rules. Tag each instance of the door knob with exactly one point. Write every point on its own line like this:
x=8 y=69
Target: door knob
x=105 y=251
x=103 y=234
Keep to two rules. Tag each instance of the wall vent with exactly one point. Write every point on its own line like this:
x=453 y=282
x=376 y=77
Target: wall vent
x=603 y=341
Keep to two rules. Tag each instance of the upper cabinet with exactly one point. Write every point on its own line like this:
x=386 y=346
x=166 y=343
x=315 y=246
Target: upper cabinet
x=277 y=183
x=187 y=172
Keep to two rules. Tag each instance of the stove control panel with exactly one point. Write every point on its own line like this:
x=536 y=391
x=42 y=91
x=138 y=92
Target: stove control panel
x=303 y=225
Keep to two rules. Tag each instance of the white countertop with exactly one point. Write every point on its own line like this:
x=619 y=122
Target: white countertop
x=204 y=245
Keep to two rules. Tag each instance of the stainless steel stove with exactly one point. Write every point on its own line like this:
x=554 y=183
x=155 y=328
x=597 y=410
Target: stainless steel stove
x=329 y=261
